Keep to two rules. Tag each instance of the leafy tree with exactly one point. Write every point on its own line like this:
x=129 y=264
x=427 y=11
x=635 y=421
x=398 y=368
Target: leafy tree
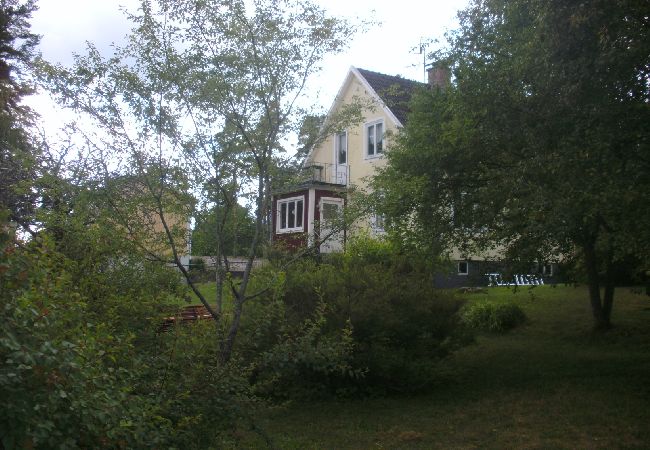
x=17 y=154
x=70 y=308
x=289 y=170
x=211 y=88
x=308 y=136
x=238 y=231
x=84 y=364
x=540 y=148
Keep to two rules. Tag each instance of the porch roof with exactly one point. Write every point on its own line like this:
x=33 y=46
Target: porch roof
x=309 y=185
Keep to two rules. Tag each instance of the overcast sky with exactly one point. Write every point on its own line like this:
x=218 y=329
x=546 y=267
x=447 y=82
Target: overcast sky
x=391 y=47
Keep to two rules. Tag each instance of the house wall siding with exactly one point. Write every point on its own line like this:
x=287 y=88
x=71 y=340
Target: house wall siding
x=312 y=198
x=361 y=167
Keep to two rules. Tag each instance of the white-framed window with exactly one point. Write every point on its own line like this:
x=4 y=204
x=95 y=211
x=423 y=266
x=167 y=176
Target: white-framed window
x=378 y=220
x=463 y=268
x=341 y=147
x=374 y=139
x=290 y=215
x=378 y=223
x=547 y=269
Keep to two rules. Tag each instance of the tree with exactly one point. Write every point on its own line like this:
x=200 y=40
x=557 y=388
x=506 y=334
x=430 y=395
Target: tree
x=238 y=230
x=17 y=154
x=289 y=170
x=541 y=145
x=209 y=87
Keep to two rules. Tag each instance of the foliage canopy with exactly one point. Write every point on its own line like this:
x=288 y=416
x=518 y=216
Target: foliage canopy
x=208 y=89
x=540 y=148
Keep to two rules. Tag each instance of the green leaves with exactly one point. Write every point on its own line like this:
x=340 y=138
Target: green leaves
x=490 y=316
x=69 y=369
x=544 y=134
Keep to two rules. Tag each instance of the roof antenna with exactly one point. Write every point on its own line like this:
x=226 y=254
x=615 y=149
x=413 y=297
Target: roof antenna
x=421 y=49
x=423 y=52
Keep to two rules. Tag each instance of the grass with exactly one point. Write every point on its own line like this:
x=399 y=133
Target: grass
x=551 y=384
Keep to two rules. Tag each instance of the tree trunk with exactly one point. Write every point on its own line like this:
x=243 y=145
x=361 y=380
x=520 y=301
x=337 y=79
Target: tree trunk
x=593 y=280
x=219 y=282
x=240 y=294
x=228 y=343
x=219 y=275
x=608 y=298
x=608 y=303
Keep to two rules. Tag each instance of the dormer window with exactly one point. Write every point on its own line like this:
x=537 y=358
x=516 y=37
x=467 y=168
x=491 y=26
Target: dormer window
x=375 y=139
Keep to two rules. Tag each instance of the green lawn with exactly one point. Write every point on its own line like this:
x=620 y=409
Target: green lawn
x=208 y=290
x=551 y=383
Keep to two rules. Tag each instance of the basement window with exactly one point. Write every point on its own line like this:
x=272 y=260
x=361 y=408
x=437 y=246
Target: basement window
x=547 y=270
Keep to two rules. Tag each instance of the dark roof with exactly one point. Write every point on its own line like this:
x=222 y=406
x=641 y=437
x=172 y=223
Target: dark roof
x=394 y=91
x=308 y=185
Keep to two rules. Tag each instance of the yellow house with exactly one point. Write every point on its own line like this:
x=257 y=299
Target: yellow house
x=136 y=211
x=346 y=158
x=359 y=150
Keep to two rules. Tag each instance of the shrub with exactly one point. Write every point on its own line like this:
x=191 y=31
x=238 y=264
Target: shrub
x=197 y=264
x=492 y=316
x=67 y=380
x=401 y=326
x=81 y=365
x=304 y=359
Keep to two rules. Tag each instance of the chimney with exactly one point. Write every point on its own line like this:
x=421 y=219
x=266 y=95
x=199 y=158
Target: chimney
x=439 y=75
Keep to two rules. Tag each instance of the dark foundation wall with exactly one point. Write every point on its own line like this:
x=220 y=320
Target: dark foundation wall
x=476 y=271
x=477 y=275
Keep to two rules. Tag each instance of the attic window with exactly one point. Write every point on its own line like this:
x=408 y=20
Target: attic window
x=342 y=148
x=375 y=139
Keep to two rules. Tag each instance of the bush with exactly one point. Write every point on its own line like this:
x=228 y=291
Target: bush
x=492 y=316
x=67 y=380
x=81 y=364
x=401 y=326
x=304 y=359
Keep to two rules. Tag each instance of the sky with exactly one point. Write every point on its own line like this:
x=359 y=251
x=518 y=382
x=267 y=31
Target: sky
x=390 y=47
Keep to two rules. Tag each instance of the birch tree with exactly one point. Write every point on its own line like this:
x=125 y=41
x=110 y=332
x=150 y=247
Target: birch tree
x=209 y=87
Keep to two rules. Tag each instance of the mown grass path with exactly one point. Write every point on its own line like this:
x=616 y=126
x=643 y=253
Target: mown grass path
x=550 y=384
